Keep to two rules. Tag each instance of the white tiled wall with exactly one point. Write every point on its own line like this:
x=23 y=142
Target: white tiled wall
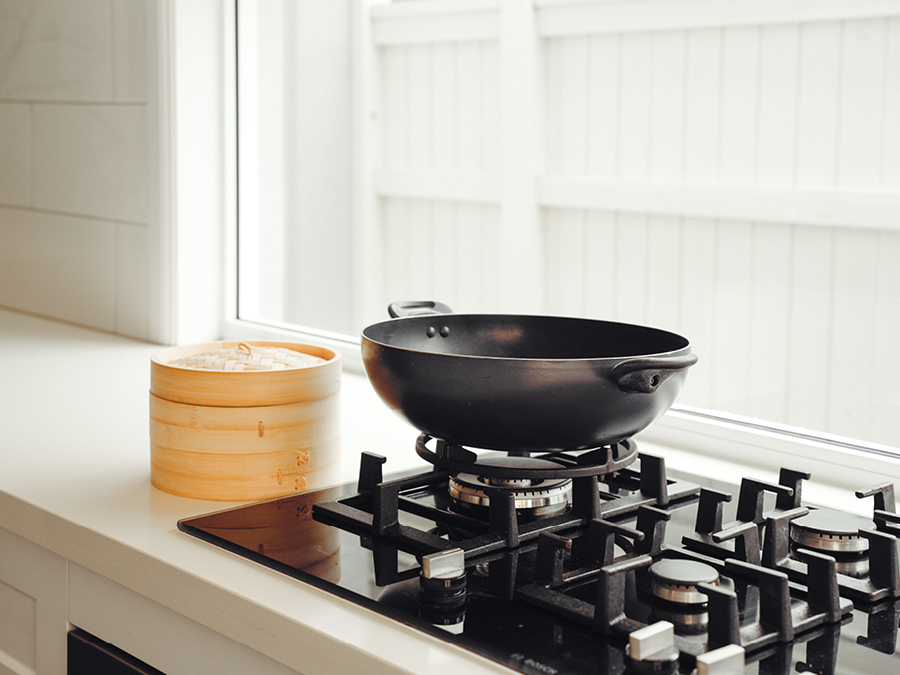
x=74 y=161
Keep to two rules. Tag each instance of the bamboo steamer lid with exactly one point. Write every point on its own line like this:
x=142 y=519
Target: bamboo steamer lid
x=241 y=421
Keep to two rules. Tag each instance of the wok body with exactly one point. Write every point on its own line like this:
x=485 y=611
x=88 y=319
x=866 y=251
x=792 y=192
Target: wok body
x=514 y=382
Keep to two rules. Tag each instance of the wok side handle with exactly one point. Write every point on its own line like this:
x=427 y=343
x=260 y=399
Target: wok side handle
x=645 y=375
x=406 y=308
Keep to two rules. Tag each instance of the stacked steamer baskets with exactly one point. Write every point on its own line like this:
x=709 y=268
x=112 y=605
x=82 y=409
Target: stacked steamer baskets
x=244 y=421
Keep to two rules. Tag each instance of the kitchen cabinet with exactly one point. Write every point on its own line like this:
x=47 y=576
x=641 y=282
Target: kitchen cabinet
x=33 y=621
x=42 y=593
x=155 y=634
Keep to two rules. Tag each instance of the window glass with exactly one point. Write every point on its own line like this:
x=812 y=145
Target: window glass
x=732 y=177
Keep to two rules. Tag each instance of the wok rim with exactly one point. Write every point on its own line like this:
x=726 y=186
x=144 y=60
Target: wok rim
x=547 y=317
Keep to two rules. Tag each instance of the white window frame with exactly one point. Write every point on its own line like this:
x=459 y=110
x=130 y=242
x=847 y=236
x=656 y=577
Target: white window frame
x=692 y=440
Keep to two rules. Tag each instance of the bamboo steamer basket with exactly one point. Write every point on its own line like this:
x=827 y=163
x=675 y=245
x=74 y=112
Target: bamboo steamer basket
x=243 y=435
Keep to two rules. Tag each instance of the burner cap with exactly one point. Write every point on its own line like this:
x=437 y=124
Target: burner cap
x=517 y=463
x=827 y=530
x=677 y=580
x=536 y=495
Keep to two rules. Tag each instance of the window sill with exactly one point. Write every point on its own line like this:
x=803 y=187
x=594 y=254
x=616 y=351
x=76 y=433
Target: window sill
x=698 y=443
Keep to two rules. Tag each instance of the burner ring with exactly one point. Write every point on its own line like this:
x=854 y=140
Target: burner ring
x=534 y=496
x=831 y=531
x=541 y=494
x=678 y=580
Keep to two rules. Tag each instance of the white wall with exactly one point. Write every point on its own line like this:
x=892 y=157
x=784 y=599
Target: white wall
x=74 y=162
x=114 y=158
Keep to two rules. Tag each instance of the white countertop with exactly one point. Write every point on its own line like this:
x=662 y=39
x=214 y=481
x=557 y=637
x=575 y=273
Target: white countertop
x=75 y=479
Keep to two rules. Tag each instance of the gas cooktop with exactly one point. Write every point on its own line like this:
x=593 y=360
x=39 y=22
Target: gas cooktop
x=595 y=561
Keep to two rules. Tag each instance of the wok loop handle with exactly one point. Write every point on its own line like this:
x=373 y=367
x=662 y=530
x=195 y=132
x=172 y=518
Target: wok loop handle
x=406 y=308
x=644 y=375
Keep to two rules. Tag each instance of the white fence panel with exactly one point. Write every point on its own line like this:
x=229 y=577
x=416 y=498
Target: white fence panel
x=726 y=170
x=769 y=321
x=885 y=394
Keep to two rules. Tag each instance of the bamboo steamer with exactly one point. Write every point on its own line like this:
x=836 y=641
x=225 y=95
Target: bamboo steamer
x=244 y=435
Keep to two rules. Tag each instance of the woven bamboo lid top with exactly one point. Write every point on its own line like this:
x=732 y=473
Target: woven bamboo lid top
x=249 y=358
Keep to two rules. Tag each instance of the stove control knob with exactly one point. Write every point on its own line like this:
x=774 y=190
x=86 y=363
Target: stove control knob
x=442 y=589
x=447 y=564
x=652 y=649
x=727 y=660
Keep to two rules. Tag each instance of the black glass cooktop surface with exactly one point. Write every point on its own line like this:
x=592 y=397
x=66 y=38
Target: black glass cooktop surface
x=500 y=611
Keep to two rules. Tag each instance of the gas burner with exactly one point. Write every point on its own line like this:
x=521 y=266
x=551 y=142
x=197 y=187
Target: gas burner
x=678 y=581
x=831 y=531
x=534 y=496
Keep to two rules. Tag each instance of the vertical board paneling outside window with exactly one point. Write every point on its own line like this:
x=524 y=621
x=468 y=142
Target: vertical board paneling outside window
x=733 y=176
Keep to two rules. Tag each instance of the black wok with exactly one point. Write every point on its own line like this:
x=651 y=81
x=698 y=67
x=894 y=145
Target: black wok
x=510 y=382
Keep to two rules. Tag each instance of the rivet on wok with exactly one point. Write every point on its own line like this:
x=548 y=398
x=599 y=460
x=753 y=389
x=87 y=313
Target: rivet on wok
x=431 y=331
x=445 y=331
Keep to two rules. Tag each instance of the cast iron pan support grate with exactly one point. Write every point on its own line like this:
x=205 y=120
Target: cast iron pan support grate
x=883 y=580
x=710 y=534
x=781 y=613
